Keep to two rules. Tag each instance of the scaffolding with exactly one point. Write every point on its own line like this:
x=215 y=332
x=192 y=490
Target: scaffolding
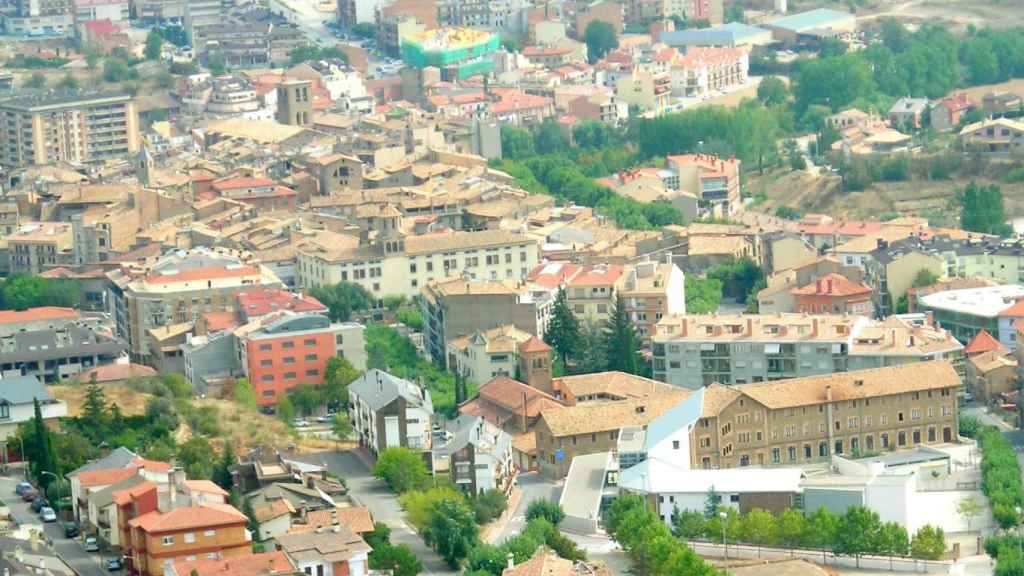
x=463 y=50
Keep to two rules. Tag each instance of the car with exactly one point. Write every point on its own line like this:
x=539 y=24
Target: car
x=70 y=530
x=114 y=564
x=91 y=544
x=22 y=487
x=968 y=397
x=29 y=495
x=324 y=419
x=299 y=423
x=47 y=514
x=38 y=504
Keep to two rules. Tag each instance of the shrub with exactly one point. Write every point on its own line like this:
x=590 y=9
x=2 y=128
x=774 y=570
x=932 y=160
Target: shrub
x=545 y=509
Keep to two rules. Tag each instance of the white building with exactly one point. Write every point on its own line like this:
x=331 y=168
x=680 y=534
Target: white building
x=387 y=411
x=16 y=404
x=486 y=354
x=967 y=311
x=334 y=552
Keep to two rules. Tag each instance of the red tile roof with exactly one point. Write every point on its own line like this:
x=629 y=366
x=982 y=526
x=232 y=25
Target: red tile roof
x=599 y=275
x=92 y=478
x=202 y=274
x=1015 y=311
x=263 y=564
x=552 y=274
x=219 y=321
x=511 y=394
x=152 y=465
x=41 y=313
x=62 y=272
x=205 y=486
x=981 y=343
x=122 y=497
x=355 y=518
x=534 y=344
x=191 y=517
x=262 y=301
x=832 y=284
x=242 y=182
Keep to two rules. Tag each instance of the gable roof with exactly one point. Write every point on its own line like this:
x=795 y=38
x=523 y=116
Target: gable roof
x=534 y=344
x=23 y=390
x=106 y=477
x=204 y=516
x=543 y=563
x=981 y=343
x=378 y=389
x=117 y=458
x=605 y=416
x=334 y=545
x=262 y=564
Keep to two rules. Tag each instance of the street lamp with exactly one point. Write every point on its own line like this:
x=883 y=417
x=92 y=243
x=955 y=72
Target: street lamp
x=725 y=544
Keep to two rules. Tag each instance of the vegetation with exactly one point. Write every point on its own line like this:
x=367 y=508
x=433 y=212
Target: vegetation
x=244 y=394
x=621 y=345
x=563 y=332
x=969 y=425
x=21 y=292
x=36 y=81
x=388 y=350
x=648 y=542
x=31 y=61
x=703 y=295
x=302 y=54
x=738 y=278
x=489 y=505
x=342 y=299
x=545 y=509
x=452 y=530
x=154 y=42
x=1000 y=476
x=982 y=210
x=398 y=558
x=600 y=38
x=402 y=470
x=364 y=30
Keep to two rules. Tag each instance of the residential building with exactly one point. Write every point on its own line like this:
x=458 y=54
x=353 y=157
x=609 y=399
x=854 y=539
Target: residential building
x=731 y=34
x=998 y=103
x=176 y=289
x=890 y=270
x=459 y=52
x=651 y=291
x=477 y=456
x=601 y=107
x=80 y=128
x=591 y=292
x=946 y=114
x=603 y=10
x=833 y=294
x=40 y=18
x=395 y=263
x=119 y=457
x=702 y=70
x=457 y=307
x=17 y=397
x=388 y=411
x=37 y=247
x=261 y=193
x=907 y=112
x=994 y=137
x=991 y=375
x=487 y=354
x=274 y=563
x=287 y=349
x=113 y=10
x=647 y=90
x=968 y=311
x=58 y=352
x=714 y=181
x=696 y=351
x=198 y=16
x=161 y=539
x=334 y=552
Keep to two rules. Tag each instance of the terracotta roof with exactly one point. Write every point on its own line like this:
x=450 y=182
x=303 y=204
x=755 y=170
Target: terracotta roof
x=106 y=477
x=552 y=274
x=39 y=314
x=273 y=509
x=122 y=497
x=206 y=486
x=544 y=563
x=262 y=301
x=614 y=384
x=510 y=394
x=1015 y=311
x=355 y=518
x=992 y=360
x=205 y=516
x=833 y=284
x=875 y=382
x=534 y=344
x=982 y=342
x=242 y=182
x=605 y=416
x=115 y=373
x=62 y=272
x=219 y=321
x=263 y=564
x=202 y=274
x=599 y=275
x=152 y=465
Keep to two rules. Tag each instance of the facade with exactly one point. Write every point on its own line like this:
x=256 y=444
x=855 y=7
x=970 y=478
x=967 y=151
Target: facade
x=651 y=291
x=80 y=129
x=990 y=375
x=591 y=291
x=289 y=349
x=40 y=246
x=328 y=552
x=648 y=90
x=16 y=405
x=907 y=112
x=702 y=70
x=968 y=311
x=262 y=193
x=40 y=18
x=485 y=355
x=833 y=294
x=994 y=137
x=113 y=10
x=387 y=411
x=696 y=351
x=999 y=103
x=945 y=115
x=57 y=353
x=458 y=52
x=813 y=25
x=891 y=270
x=294 y=105
x=714 y=181
x=478 y=456
x=160 y=539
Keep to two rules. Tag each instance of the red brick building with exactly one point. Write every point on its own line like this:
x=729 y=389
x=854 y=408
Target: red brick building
x=833 y=294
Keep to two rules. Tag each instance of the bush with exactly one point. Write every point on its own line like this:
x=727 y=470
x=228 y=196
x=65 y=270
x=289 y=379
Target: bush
x=489 y=505
x=969 y=426
x=545 y=509
x=418 y=504
x=1000 y=473
x=402 y=469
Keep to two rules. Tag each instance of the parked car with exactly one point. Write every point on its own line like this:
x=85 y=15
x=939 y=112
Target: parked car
x=299 y=423
x=91 y=544
x=114 y=564
x=70 y=530
x=38 y=504
x=47 y=514
x=29 y=495
x=21 y=487
x=324 y=419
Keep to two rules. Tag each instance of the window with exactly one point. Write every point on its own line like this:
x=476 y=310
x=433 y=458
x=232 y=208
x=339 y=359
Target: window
x=776 y=456
x=792 y=453
x=839 y=447
x=289 y=375
x=168 y=540
x=267 y=393
x=675 y=444
x=210 y=533
x=190 y=537
x=822 y=449
x=5 y=411
x=310 y=357
x=287 y=344
x=319 y=570
x=266 y=363
x=885 y=440
x=339 y=339
x=312 y=372
x=288 y=360
x=309 y=342
x=265 y=347
x=808 y=453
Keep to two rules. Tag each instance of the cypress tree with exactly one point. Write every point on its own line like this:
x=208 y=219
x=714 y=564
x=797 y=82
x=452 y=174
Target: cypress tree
x=620 y=341
x=563 y=331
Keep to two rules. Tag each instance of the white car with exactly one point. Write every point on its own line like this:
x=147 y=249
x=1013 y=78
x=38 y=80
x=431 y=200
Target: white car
x=299 y=423
x=47 y=514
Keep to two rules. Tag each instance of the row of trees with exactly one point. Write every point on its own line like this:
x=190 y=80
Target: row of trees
x=21 y=292
x=1001 y=480
x=648 y=542
x=587 y=347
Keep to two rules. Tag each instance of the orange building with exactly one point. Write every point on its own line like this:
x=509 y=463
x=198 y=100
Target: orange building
x=833 y=294
x=209 y=531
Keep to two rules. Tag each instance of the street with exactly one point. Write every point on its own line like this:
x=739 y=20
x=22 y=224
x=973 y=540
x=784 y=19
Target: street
x=533 y=487
x=69 y=549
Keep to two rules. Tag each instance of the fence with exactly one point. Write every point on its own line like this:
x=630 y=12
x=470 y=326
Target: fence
x=892 y=563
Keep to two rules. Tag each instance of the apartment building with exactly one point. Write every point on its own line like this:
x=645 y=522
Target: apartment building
x=477 y=456
x=385 y=260
x=968 y=311
x=210 y=531
x=388 y=411
x=650 y=91
x=177 y=288
x=36 y=247
x=714 y=181
x=487 y=354
x=58 y=352
x=890 y=270
x=651 y=291
x=704 y=70
x=40 y=18
x=77 y=128
x=287 y=349
x=18 y=396
x=805 y=420
x=994 y=137
x=696 y=351
x=113 y=10
x=833 y=294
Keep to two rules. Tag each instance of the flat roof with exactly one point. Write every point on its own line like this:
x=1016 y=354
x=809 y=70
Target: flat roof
x=818 y=18
x=907 y=457
x=987 y=302
x=731 y=33
x=581 y=496
x=34 y=102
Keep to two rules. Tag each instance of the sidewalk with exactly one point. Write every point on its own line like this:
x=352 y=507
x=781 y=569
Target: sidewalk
x=493 y=530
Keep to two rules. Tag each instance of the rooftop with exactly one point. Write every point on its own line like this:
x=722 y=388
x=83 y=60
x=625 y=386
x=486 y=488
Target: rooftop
x=274 y=563
x=812 y=19
x=448 y=38
x=40 y=314
x=987 y=302
x=177 y=519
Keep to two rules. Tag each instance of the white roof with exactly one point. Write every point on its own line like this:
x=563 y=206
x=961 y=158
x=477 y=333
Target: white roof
x=660 y=477
x=987 y=302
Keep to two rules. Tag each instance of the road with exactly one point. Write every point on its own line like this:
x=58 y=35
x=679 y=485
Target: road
x=70 y=550
x=372 y=493
x=533 y=487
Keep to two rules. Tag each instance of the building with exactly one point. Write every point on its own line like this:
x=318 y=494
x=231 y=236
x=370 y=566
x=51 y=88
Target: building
x=485 y=355
x=994 y=137
x=176 y=289
x=294 y=102
x=328 y=552
x=968 y=311
x=40 y=18
x=17 y=405
x=651 y=291
x=833 y=294
x=999 y=103
x=288 y=349
x=455 y=308
x=79 y=128
x=696 y=351
x=702 y=70
x=160 y=539
x=731 y=35
x=57 y=352
x=907 y=112
x=458 y=52
x=477 y=456
x=261 y=193
x=274 y=563
x=388 y=411
x=36 y=247
x=890 y=270
x=650 y=91
x=946 y=114
x=113 y=10
x=714 y=181
x=199 y=15
x=591 y=291
x=813 y=26
x=990 y=375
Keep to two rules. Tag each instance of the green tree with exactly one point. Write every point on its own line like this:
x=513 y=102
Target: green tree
x=196 y=456
x=687 y=524
x=546 y=509
x=452 y=530
x=982 y=210
x=969 y=508
x=791 y=527
x=285 y=410
x=516 y=143
x=244 y=395
x=398 y=558
x=929 y=543
x=925 y=277
x=711 y=503
x=364 y=30
x=338 y=374
x=489 y=505
x=165 y=80
x=758 y=527
x=380 y=536
x=703 y=295
x=222 y=471
x=40 y=450
x=217 y=64
x=621 y=345
x=486 y=558
x=116 y=420
x=820 y=530
x=563 y=332
x=116 y=70
x=36 y=81
x=772 y=91
x=69 y=83
x=836 y=82
x=969 y=426
x=600 y=38
x=594 y=135
x=858 y=533
x=401 y=469
x=548 y=138
x=177 y=385
x=893 y=540
x=94 y=418
x=342 y=299
x=154 y=42
x=21 y=292
x=340 y=426
x=305 y=398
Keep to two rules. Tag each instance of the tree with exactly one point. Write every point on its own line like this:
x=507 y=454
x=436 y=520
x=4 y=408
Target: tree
x=687 y=524
x=196 y=456
x=381 y=535
x=600 y=39
x=489 y=505
x=222 y=471
x=116 y=421
x=925 y=277
x=821 y=529
x=69 y=83
x=340 y=426
x=703 y=295
x=244 y=395
x=772 y=91
x=305 y=398
x=594 y=135
x=969 y=426
x=178 y=386
x=982 y=210
x=364 y=30
x=516 y=143
x=486 y=558
x=154 y=42
x=217 y=64
x=164 y=79
x=548 y=138
x=342 y=299
x=858 y=533
x=892 y=541
x=546 y=509
x=398 y=558
x=563 y=333
x=620 y=342
x=36 y=81
x=338 y=374
x=758 y=528
x=791 y=527
x=116 y=70
x=711 y=503
x=21 y=292
x=94 y=413
x=40 y=449
x=401 y=469
x=452 y=530
x=929 y=543
x=285 y=410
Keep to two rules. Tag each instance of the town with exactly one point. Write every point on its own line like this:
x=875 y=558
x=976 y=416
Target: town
x=511 y=288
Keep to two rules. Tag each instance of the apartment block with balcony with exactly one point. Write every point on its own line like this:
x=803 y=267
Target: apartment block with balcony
x=477 y=456
x=714 y=181
x=387 y=411
x=651 y=291
x=487 y=354
x=696 y=351
x=287 y=349
x=79 y=128
x=702 y=71
x=209 y=531
x=591 y=291
x=39 y=246
x=650 y=91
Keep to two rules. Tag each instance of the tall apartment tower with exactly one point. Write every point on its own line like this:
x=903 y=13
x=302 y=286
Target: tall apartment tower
x=294 y=102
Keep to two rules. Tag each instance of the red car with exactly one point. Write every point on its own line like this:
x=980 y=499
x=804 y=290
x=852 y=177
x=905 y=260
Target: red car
x=29 y=495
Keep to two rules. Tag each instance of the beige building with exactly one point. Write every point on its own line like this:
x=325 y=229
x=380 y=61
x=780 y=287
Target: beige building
x=44 y=129
x=991 y=374
x=651 y=291
x=487 y=354
x=38 y=246
x=994 y=137
x=648 y=90
x=890 y=273
x=809 y=419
